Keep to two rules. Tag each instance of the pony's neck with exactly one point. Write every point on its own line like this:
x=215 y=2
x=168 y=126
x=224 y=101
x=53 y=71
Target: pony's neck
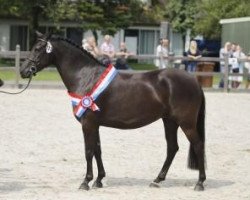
x=78 y=70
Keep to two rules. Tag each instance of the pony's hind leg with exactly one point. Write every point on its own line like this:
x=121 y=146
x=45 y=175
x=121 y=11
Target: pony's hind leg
x=196 y=155
x=170 y=127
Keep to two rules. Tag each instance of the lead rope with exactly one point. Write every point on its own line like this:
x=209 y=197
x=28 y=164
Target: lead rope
x=5 y=92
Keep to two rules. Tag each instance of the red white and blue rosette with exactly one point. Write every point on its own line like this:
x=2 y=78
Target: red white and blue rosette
x=82 y=103
x=87 y=101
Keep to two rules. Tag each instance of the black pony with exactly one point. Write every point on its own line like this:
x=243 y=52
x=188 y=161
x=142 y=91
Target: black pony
x=131 y=100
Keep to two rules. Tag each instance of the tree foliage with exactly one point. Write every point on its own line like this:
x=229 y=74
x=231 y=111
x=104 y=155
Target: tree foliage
x=201 y=16
x=33 y=11
x=181 y=14
x=212 y=11
x=108 y=16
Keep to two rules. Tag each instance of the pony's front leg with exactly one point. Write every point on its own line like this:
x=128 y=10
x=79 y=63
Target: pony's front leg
x=90 y=133
x=101 y=171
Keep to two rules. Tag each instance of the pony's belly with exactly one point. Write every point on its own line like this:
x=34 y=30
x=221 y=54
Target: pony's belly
x=129 y=108
x=131 y=119
x=128 y=124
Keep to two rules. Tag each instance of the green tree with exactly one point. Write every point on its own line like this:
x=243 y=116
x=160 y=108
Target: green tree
x=212 y=11
x=181 y=14
x=203 y=16
x=33 y=11
x=108 y=16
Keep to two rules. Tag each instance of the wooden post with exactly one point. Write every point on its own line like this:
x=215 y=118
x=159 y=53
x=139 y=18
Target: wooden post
x=226 y=71
x=171 y=59
x=17 y=65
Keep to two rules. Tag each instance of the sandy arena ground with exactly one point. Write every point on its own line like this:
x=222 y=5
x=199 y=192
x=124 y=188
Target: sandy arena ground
x=42 y=153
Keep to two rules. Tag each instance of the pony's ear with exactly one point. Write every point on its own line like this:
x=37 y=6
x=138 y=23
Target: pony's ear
x=39 y=35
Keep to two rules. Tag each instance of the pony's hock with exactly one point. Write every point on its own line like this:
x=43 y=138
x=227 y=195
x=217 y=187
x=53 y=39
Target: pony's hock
x=131 y=100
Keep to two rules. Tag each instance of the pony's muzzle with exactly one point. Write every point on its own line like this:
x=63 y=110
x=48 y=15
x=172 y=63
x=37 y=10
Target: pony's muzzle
x=25 y=69
x=33 y=70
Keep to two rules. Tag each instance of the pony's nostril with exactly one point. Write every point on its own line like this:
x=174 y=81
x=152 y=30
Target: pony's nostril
x=33 y=69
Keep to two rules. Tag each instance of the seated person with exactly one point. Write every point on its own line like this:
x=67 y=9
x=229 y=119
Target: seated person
x=107 y=50
x=90 y=46
x=122 y=55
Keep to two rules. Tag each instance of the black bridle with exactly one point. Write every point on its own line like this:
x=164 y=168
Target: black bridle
x=33 y=70
x=35 y=62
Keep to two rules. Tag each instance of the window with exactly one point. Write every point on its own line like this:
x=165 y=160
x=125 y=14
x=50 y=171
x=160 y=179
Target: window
x=18 y=35
x=148 y=41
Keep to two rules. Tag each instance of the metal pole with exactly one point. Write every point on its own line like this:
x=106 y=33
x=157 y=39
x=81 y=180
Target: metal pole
x=17 y=65
x=226 y=88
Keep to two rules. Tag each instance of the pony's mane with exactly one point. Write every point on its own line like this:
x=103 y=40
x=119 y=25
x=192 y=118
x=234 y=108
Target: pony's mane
x=71 y=42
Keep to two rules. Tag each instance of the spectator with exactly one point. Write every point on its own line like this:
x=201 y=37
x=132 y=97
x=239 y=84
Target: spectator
x=237 y=67
x=84 y=44
x=122 y=55
x=194 y=54
x=162 y=51
x=107 y=50
x=247 y=66
x=233 y=47
x=90 y=46
x=223 y=51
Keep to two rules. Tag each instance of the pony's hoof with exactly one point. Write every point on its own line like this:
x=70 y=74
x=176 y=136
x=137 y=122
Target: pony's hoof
x=154 y=185
x=84 y=186
x=97 y=184
x=199 y=187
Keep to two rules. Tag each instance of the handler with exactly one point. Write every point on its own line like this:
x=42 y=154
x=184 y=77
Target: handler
x=1 y=83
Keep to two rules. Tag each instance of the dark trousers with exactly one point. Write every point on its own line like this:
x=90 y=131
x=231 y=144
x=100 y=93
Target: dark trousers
x=1 y=82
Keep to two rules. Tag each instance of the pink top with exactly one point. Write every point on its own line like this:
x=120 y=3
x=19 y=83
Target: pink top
x=107 y=48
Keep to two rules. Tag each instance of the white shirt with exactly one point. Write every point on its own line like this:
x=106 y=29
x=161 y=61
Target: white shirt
x=107 y=48
x=161 y=51
x=238 y=54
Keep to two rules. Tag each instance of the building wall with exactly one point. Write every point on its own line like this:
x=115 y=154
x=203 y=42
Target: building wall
x=141 y=40
x=4 y=37
x=237 y=32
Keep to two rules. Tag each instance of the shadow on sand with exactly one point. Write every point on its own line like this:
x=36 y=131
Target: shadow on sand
x=169 y=182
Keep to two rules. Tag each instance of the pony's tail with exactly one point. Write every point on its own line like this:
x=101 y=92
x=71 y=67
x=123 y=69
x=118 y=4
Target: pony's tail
x=192 y=158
